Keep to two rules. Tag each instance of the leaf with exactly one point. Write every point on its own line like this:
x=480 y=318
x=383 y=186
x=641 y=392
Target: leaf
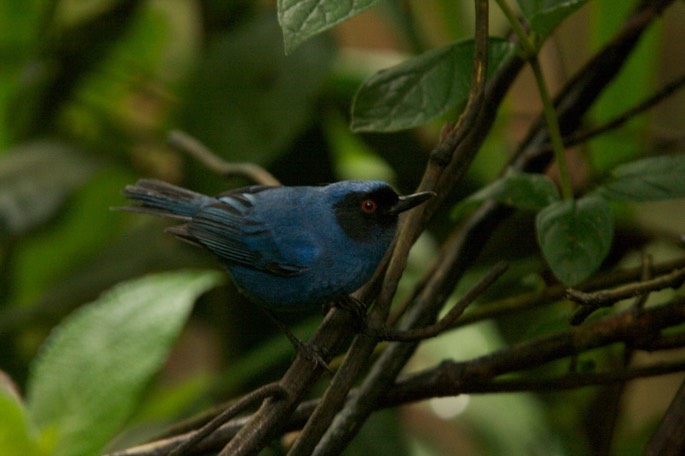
x=35 y=180
x=575 y=236
x=91 y=370
x=422 y=88
x=17 y=434
x=302 y=19
x=248 y=101
x=544 y=15
x=520 y=190
x=650 y=179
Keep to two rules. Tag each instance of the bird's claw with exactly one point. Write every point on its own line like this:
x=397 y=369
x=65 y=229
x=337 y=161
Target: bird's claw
x=354 y=306
x=311 y=352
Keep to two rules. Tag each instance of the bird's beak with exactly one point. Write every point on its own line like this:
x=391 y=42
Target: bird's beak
x=408 y=201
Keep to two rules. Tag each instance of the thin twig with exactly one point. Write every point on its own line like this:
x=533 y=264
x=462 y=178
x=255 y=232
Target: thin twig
x=582 y=136
x=417 y=334
x=191 y=146
x=604 y=298
x=532 y=300
x=249 y=400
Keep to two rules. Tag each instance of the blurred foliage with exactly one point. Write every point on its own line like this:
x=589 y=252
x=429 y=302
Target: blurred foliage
x=88 y=93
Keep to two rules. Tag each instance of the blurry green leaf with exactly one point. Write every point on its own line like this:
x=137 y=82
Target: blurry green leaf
x=302 y=19
x=87 y=379
x=520 y=190
x=17 y=435
x=575 y=236
x=35 y=180
x=248 y=101
x=544 y=15
x=20 y=30
x=650 y=179
x=422 y=88
x=84 y=228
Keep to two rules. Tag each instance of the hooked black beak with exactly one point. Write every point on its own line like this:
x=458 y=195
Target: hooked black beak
x=408 y=201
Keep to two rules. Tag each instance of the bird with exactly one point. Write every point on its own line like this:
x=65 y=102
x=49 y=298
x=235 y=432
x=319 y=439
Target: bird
x=287 y=248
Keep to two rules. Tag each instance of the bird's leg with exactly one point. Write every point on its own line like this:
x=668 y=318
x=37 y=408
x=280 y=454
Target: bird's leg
x=307 y=350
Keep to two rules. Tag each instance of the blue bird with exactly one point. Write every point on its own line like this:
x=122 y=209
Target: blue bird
x=286 y=248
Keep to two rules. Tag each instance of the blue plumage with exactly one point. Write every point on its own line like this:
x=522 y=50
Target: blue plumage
x=287 y=248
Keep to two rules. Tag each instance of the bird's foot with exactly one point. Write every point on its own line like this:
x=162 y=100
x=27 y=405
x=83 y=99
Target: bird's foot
x=354 y=306
x=311 y=352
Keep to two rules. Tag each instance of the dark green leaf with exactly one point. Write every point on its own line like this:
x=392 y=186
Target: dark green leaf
x=575 y=237
x=520 y=190
x=302 y=19
x=650 y=179
x=422 y=88
x=92 y=369
x=35 y=179
x=248 y=101
x=544 y=15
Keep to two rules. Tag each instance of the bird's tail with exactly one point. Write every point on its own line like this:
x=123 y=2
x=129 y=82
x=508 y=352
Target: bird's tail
x=160 y=198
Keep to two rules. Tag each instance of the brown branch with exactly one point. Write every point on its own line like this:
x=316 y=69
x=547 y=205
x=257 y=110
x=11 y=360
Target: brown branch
x=622 y=327
x=249 y=400
x=568 y=381
x=605 y=298
x=418 y=334
x=532 y=300
x=582 y=136
x=322 y=435
x=478 y=376
x=191 y=146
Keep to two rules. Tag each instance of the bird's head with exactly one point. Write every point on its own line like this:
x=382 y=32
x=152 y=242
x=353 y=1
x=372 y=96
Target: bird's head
x=362 y=208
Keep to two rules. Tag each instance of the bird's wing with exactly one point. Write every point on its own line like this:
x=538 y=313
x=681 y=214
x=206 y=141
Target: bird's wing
x=226 y=229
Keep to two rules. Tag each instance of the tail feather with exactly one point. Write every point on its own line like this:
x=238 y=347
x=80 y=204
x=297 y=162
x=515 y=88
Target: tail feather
x=160 y=198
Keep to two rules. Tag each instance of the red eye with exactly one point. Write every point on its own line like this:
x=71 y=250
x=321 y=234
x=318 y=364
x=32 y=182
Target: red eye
x=369 y=206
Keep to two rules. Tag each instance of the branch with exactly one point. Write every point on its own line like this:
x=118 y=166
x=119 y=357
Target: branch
x=249 y=400
x=479 y=375
x=419 y=334
x=453 y=377
x=323 y=435
x=191 y=146
x=582 y=136
x=528 y=301
x=605 y=298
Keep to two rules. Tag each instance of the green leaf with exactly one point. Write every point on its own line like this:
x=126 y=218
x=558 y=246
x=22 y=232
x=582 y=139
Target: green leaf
x=35 y=180
x=544 y=15
x=302 y=19
x=520 y=190
x=422 y=88
x=575 y=236
x=650 y=179
x=91 y=370
x=248 y=101
x=17 y=434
